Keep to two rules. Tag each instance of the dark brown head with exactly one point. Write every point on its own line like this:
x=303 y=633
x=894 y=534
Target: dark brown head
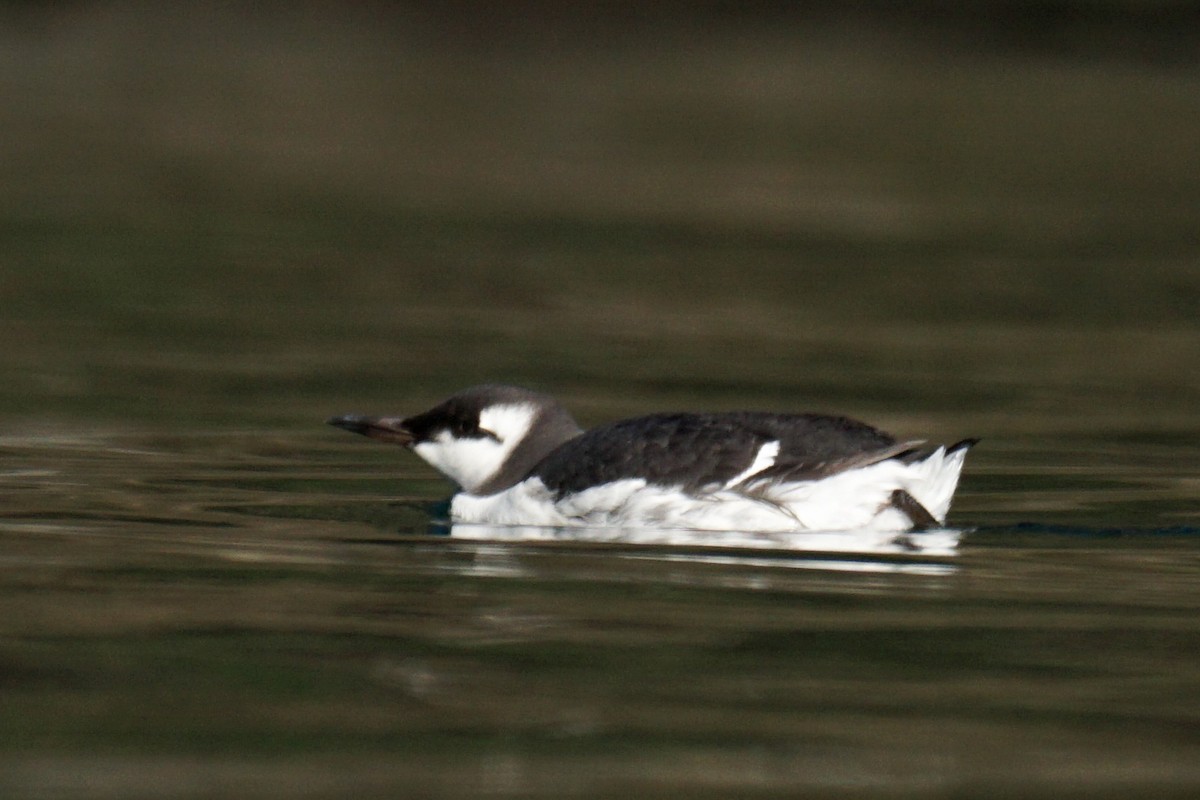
x=485 y=439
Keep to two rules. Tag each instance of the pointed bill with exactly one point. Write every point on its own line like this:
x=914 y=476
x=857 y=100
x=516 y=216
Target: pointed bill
x=384 y=429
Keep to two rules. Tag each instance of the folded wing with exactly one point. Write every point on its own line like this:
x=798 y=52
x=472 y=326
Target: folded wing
x=740 y=450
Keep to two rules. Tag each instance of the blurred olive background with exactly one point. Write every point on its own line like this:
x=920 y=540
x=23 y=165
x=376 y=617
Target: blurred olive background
x=222 y=222
x=222 y=214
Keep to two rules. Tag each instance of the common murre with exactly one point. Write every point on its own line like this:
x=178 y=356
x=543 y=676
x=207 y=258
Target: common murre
x=521 y=459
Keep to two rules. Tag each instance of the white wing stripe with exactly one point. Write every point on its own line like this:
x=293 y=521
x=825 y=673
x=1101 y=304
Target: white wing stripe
x=765 y=459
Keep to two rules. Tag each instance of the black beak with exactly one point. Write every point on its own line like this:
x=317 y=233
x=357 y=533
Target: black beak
x=385 y=429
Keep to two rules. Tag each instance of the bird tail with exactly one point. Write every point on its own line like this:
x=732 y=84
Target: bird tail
x=933 y=480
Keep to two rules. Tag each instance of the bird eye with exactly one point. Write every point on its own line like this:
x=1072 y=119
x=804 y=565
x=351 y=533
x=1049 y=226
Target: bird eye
x=469 y=429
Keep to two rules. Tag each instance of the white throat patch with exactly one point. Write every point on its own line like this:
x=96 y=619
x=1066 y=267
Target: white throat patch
x=472 y=462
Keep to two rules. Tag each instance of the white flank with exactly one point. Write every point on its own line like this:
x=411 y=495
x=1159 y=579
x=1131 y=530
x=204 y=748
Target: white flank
x=765 y=459
x=472 y=462
x=858 y=499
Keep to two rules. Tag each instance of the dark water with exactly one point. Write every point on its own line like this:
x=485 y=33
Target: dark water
x=217 y=615
x=220 y=228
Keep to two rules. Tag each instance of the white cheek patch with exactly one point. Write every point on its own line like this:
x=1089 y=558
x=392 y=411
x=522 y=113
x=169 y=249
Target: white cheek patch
x=508 y=423
x=471 y=462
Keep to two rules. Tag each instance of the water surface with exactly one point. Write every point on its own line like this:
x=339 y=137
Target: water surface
x=276 y=613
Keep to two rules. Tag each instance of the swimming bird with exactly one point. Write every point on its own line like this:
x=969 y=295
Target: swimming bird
x=519 y=458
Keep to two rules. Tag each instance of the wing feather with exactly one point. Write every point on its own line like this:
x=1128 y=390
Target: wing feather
x=695 y=451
